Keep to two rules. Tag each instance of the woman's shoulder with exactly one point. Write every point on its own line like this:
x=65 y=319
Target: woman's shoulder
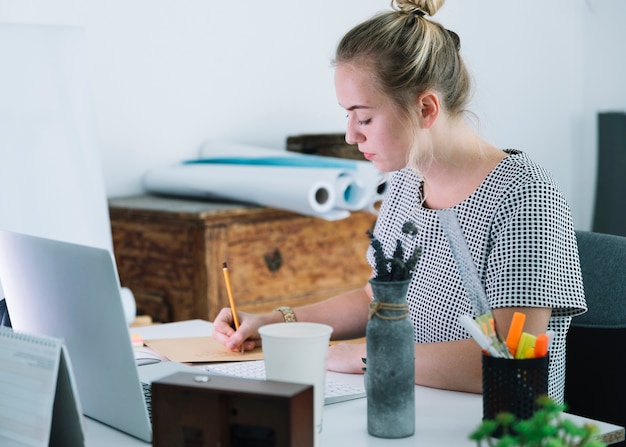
x=516 y=183
x=518 y=174
x=520 y=165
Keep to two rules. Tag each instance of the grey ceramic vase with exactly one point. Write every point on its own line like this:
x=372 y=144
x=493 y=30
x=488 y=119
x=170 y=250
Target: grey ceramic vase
x=390 y=363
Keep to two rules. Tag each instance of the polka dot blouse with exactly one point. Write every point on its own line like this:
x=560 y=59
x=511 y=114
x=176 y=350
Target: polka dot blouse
x=519 y=231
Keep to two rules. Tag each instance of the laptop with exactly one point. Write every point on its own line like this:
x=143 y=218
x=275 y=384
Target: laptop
x=72 y=292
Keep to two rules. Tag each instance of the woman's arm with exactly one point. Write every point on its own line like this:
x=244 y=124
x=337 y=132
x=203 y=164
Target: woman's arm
x=452 y=365
x=346 y=313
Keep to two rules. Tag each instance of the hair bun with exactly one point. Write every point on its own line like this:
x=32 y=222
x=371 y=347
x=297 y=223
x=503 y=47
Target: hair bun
x=419 y=7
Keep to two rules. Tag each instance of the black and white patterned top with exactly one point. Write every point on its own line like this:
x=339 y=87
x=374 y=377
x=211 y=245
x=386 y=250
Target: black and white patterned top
x=520 y=234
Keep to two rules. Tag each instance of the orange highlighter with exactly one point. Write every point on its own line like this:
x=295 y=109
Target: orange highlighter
x=515 y=331
x=541 y=345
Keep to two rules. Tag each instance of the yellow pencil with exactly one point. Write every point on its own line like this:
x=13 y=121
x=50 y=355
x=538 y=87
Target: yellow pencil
x=229 y=289
x=230 y=295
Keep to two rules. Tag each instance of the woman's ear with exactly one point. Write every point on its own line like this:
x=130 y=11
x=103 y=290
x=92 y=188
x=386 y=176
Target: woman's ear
x=429 y=108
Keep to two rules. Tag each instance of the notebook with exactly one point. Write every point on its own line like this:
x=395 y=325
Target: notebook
x=72 y=292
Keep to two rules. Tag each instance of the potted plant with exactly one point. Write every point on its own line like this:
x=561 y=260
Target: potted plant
x=546 y=427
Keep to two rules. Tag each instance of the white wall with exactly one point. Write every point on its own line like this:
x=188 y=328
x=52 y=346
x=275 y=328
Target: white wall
x=527 y=65
x=168 y=74
x=604 y=85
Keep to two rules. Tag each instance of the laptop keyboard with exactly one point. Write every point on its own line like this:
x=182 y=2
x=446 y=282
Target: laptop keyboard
x=334 y=392
x=147 y=395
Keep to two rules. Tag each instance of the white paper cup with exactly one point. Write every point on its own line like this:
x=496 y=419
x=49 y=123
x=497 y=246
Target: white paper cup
x=296 y=352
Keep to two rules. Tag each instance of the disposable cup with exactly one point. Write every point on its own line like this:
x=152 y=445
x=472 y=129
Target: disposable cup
x=296 y=352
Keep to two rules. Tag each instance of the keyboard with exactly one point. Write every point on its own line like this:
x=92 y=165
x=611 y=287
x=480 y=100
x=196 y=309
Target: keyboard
x=334 y=392
x=147 y=395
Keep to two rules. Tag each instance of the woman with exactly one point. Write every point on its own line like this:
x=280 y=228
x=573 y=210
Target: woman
x=405 y=88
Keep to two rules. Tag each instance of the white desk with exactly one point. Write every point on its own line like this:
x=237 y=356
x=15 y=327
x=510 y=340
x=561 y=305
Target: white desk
x=442 y=418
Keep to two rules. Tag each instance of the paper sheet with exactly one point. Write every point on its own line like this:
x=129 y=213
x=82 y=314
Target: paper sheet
x=325 y=187
x=199 y=350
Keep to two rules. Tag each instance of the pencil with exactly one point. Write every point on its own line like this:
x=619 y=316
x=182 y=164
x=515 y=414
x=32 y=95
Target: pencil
x=229 y=289
x=230 y=295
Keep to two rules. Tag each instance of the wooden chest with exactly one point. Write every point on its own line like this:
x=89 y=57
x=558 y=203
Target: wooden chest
x=170 y=252
x=327 y=145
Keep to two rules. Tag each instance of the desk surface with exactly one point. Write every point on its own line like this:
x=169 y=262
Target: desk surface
x=442 y=418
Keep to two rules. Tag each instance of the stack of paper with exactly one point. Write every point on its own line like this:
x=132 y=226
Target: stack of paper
x=325 y=187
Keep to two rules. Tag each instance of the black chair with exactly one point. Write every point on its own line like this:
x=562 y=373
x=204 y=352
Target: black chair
x=595 y=383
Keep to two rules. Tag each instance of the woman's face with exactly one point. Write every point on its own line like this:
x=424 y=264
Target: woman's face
x=374 y=123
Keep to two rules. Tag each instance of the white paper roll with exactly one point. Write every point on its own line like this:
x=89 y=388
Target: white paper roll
x=301 y=190
x=362 y=186
x=326 y=187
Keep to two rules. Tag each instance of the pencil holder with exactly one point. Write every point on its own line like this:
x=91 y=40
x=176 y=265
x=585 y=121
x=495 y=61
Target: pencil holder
x=513 y=385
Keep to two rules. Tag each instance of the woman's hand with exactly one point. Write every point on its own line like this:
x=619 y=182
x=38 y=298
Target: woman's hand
x=346 y=358
x=248 y=332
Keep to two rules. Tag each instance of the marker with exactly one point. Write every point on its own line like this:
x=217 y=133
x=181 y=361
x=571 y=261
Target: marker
x=477 y=334
x=550 y=335
x=485 y=323
x=515 y=331
x=541 y=345
x=526 y=341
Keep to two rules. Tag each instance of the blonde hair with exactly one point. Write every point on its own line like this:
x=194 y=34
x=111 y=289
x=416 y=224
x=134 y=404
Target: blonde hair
x=407 y=54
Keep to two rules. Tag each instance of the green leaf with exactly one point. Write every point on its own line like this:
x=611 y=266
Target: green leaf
x=545 y=428
x=484 y=430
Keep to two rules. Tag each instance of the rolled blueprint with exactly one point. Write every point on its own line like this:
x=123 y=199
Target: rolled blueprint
x=359 y=184
x=302 y=190
x=325 y=187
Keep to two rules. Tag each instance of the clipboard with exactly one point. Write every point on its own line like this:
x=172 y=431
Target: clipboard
x=39 y=403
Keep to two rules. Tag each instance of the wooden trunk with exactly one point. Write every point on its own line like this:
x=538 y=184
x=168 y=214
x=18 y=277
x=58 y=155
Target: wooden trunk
x=170 y=252
x=327 y=145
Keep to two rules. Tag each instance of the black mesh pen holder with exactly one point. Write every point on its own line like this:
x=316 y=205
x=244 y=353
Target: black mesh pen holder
x=513 y=385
